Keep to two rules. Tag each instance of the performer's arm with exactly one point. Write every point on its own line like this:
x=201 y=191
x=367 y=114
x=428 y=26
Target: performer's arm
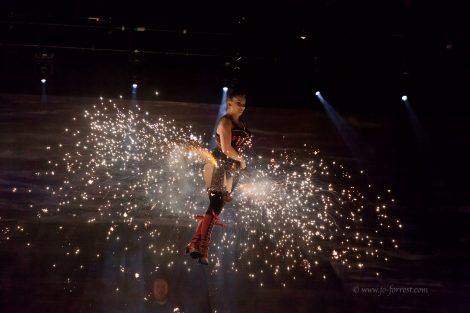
x=225 y=133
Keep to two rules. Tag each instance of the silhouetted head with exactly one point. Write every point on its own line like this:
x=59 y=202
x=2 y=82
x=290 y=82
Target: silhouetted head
x=160 y=290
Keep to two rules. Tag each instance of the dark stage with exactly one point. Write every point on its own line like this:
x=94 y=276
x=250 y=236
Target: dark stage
x=355 y=197
x=61 y=262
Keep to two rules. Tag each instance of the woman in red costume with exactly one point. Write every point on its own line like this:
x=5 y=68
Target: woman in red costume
x=232 y=138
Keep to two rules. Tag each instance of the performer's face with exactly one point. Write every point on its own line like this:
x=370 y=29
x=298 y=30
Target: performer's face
x=237 y=104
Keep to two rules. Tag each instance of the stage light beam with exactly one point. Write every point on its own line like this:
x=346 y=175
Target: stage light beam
x=134 y=93
x=222 y=110
x=348 y=134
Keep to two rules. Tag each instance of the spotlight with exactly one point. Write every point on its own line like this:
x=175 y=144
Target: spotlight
x=303 y=37
x=404 y=98
x=317 y=93
x=156 y=92
x=43 y=80
x=134 y=86
x=225 y=89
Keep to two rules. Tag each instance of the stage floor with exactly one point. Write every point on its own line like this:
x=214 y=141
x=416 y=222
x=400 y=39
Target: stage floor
x=61 y=262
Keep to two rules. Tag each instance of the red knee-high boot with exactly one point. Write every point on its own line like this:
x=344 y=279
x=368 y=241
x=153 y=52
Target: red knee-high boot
x=193 y=247
x=206 y=231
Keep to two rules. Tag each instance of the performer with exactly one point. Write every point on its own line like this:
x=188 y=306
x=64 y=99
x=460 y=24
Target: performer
x=232 y=138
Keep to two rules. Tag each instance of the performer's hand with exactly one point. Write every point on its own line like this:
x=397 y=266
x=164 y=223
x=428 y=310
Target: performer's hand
x=242 y=164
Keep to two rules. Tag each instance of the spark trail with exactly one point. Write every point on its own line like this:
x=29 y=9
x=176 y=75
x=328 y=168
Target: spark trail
x=291 y=212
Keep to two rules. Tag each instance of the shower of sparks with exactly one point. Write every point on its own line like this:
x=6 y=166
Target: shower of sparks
x=288 y=214
x=304 y=212
x=131 y=167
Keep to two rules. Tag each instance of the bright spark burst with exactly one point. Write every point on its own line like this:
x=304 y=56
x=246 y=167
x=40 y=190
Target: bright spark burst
x=131 y=166
x=288 y=213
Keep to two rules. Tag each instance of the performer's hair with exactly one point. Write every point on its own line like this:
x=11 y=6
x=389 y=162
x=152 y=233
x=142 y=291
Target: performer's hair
x=235 y=92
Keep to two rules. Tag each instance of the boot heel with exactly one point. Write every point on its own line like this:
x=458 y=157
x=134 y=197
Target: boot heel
x=195 y=254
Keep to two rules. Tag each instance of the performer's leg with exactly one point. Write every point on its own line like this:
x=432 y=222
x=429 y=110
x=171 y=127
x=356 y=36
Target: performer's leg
x=228 y=182
x=214 y=179
x=233 y=176
x=216 y=203
x=207 y=174
x=206 y=231
x=193 y=247
x=198 y=247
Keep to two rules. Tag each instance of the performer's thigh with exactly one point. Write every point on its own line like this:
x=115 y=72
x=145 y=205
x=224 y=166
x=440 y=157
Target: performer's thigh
x=207 y=172
x=228 y=182
x=217 y=180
